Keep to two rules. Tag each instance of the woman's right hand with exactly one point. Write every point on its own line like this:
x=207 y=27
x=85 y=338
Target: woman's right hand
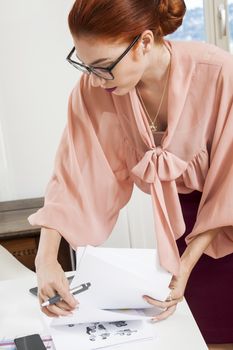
x=52 y=280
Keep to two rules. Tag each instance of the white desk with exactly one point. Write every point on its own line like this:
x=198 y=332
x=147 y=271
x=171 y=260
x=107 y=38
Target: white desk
x=20 y=315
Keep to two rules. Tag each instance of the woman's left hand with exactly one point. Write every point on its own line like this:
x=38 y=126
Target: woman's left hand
x=177 y=286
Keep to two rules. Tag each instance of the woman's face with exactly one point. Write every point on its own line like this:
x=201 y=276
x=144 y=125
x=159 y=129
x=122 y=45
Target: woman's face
x=127 y=73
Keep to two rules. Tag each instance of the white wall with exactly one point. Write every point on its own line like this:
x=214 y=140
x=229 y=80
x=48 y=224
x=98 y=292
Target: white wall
x=35 y=82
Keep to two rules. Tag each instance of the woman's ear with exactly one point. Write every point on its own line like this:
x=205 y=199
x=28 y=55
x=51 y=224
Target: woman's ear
x=145 y=44
x=147 y=40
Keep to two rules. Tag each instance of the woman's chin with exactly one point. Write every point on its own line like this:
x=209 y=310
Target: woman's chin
x=121 y=91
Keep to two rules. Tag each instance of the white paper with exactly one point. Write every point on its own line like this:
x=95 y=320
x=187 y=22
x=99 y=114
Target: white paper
x=120 y=277
x=87 y=314
x=100 y=335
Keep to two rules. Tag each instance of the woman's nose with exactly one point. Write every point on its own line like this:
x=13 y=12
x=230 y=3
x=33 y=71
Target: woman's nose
x=96 y=81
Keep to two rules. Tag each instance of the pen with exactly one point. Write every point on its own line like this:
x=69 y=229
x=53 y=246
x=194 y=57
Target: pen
x=75 y=290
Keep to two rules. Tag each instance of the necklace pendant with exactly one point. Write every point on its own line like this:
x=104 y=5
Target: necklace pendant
x=153 y=128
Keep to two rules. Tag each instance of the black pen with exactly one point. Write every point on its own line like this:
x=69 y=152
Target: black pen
x=75 y=290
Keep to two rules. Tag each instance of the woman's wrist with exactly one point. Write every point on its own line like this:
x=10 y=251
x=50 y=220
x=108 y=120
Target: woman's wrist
x=187 y=262
x=42 y=260
x=196 y=248
x=48 y=247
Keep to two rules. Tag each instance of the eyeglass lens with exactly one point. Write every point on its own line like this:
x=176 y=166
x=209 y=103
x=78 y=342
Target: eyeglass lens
x=102 y=73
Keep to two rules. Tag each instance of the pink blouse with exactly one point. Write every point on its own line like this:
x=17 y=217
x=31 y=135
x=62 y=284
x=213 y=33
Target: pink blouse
x=107 y=146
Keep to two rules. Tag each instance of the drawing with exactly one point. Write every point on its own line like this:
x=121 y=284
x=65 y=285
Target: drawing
x=101 y=326
x=92 y=337
x=119 y=323
x=127 y=332
x=91 y=329
x=105 y=335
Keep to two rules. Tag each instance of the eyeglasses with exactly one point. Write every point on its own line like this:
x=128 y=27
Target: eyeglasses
x=101 y=72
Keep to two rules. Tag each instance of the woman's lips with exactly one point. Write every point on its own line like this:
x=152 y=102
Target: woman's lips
x=111 y=89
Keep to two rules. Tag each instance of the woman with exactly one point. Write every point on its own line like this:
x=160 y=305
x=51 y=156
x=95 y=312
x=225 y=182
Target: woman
x=158 y=114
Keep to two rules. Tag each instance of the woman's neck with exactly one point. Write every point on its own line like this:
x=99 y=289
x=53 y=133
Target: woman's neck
x=156 y=69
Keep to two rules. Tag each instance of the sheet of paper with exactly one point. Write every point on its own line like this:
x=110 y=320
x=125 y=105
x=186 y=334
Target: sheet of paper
x=120 y=277
x=86 y=314
x=100 y=335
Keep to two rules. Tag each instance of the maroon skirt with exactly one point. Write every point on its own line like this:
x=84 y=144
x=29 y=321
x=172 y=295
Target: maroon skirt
x=209 y=291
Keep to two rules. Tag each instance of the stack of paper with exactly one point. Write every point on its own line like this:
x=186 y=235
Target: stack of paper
x=120 y=277
x=86 y=314
x=112 y=311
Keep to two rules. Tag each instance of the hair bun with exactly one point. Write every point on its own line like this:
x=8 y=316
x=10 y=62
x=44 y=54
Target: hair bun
x=163 y=7
x=170 y=14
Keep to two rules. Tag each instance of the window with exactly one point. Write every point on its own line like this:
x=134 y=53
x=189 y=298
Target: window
x=208 y=20
x=193 y=27
x=230 y=21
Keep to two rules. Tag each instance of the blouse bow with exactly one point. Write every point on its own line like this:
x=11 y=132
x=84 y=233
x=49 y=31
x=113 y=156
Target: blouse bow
x=160 y=169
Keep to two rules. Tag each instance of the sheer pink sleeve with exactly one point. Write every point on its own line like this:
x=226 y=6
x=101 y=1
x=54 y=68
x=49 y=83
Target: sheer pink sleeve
x=90 y=183
x=216 y=207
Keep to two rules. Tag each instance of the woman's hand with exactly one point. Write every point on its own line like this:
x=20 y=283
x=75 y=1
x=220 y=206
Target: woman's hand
x=52 y=280
x=189 y=258
x=177 y=286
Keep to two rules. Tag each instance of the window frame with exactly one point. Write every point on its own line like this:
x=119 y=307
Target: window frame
x=213 y=23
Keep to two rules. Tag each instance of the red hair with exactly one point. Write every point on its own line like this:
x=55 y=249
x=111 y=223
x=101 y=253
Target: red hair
x=125 y=19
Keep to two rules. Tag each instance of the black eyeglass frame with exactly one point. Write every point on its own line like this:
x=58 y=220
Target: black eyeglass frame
x=91 y=69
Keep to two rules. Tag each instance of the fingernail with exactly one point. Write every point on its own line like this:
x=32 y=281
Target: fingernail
x=144 y=297
x=154 y=319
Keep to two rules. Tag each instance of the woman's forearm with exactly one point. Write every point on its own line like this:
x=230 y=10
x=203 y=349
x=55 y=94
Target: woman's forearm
x=48 y=246
x=196 y=248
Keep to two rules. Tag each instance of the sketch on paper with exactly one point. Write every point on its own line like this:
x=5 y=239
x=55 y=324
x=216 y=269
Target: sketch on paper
x=96 y=335
x=98 y=331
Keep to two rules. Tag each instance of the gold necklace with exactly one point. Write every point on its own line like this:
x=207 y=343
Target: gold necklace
x=152 y=123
